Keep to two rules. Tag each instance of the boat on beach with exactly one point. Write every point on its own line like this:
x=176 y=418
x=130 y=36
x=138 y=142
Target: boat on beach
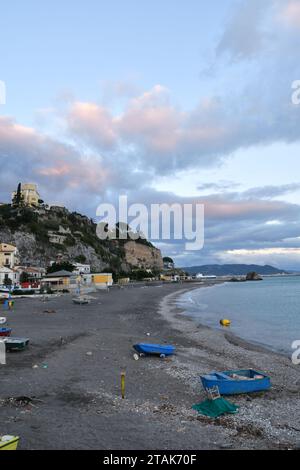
x=3 y=320
x=15 y=344
x=5 y=332
x=9 y=442
x=154 y=349
x=81 y=301
x=235 y=382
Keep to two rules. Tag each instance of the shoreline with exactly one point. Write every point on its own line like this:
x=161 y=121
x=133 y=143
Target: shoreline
x=232 y=351
x=232 y=336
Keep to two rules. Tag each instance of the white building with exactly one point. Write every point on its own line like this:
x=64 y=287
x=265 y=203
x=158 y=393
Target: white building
x=9 y=275
x=82 y=268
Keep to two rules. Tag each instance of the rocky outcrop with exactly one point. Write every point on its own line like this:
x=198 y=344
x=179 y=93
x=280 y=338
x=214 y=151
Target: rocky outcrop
x=253 y=277
x=143 y=256
x=32 y=232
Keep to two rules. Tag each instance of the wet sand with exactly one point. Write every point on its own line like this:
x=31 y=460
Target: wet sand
x=81 y=351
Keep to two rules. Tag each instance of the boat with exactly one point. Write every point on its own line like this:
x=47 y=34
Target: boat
x=154 y=349
x=5 y=332
x=9 y=442
x=3 y=320
x=15 y=344
x=81 y=301
x=234 y=382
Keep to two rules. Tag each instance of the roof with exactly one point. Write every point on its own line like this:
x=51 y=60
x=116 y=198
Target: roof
x=3 y=269
x=60 y=274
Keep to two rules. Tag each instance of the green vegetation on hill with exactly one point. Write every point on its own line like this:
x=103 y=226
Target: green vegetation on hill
x=74 y=237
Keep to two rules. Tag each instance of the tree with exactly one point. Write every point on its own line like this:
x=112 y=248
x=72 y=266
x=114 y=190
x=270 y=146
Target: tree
x=24 y=277
x=64 y=266
x=18 y=199
x=7 y=282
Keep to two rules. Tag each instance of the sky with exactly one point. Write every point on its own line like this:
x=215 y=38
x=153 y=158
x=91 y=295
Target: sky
x=169 y=102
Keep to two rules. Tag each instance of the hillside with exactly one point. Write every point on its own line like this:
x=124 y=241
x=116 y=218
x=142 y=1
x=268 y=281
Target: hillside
x=43 y=234
x=233 y=269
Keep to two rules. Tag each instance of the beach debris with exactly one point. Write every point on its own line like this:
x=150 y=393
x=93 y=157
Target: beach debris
x=44 y=366
x=9 y=442
x=89 y=353
x=35 y=366
x=49 y=311
x=136 y=357
x=225 y=322
x=123 y=376
x=22 y=401
x=215 y=408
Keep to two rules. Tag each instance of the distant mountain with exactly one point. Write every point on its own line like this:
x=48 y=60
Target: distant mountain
x=233 y=269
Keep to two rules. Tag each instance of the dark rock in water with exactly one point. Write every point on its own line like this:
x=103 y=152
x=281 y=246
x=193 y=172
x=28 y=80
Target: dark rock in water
x=253 y=277
x=236 y=279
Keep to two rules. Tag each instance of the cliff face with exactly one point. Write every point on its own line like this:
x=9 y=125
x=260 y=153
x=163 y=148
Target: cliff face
x=44 y=235
x=143 y=256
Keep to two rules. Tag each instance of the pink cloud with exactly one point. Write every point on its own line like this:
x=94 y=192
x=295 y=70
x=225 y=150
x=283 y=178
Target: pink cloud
x=92 y=122
x=290 y=13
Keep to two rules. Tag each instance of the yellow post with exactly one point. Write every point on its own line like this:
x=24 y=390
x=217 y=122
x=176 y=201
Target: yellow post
x=123 y=384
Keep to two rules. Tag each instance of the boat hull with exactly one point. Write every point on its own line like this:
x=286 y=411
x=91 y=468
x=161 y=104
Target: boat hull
x=16 y=344
x=5 y=332
x=154 y=349
x=230 y=386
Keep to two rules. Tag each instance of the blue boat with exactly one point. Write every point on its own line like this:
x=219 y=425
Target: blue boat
x=234 y=382
x=5 y=332
x=154 y=349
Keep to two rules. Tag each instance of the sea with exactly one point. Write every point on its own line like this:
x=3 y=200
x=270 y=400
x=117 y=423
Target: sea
x=263 y=312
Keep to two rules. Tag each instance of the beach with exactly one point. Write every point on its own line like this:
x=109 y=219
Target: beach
x=71 y=373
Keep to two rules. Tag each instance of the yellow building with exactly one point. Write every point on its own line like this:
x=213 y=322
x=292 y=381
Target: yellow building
x=103 y=279
x=8 y=255
x=30 y=194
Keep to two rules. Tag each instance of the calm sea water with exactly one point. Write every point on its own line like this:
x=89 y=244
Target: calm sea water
x=266 y=312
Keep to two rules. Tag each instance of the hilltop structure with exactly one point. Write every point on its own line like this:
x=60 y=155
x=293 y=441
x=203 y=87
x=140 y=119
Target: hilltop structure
x=28 y=193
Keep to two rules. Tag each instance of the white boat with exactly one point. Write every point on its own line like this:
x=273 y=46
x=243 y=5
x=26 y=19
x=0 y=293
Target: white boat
x=2 y=320
x=81 y=301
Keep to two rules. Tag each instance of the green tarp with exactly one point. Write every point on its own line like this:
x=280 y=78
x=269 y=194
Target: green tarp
x=216 y=408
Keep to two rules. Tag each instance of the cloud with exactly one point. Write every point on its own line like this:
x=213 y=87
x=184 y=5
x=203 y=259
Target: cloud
x=244 y=35
x=290 y=13
x=59 y=168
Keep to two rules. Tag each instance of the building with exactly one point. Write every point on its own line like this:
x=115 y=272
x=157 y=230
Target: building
x=82 y=268
x=97 y=280
x=34 y=274
x=30 y=194
x=60 y=280
x=8 y=255
x=9 y=276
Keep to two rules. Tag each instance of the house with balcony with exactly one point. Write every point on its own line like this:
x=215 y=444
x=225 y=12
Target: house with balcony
x=8 y=255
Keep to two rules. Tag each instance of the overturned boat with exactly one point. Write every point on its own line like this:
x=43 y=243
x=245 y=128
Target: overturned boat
x=15 y=344
x=154 y=350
